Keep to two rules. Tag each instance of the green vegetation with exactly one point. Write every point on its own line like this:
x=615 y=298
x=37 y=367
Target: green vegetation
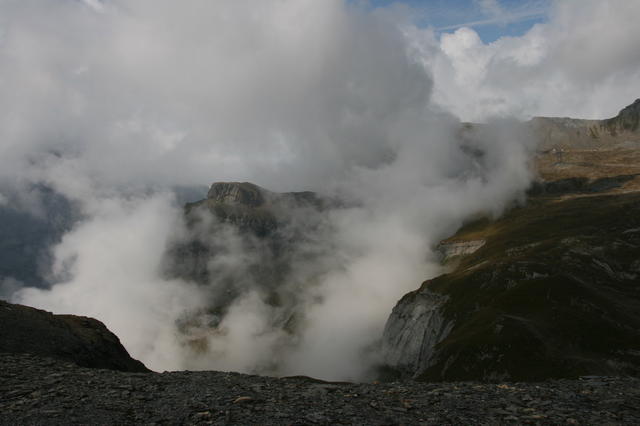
x=554 y=292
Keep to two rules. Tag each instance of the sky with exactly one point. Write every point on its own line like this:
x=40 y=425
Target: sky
x=112 y=103
x=491 y=19
x=581 y=61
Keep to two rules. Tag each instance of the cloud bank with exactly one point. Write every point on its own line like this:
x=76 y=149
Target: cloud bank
x=112 y=103
x=584 y=63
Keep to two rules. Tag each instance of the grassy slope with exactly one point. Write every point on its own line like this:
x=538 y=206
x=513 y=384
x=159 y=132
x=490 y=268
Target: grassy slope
x=555 y=292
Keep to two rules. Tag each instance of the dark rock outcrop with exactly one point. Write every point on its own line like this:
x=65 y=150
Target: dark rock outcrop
x=84 y=341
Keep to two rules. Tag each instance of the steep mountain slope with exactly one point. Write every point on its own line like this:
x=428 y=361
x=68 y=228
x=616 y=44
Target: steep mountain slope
x=554 y=292
x=552 y=289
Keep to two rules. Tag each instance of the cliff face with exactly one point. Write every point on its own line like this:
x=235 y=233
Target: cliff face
x=551 y=289
x=81 y=340
x=235 y=193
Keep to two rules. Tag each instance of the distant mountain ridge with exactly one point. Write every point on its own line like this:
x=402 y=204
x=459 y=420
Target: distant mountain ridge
x=559 y=133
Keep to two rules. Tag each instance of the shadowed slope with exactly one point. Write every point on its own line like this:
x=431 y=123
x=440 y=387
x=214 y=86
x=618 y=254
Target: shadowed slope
x=81 y=340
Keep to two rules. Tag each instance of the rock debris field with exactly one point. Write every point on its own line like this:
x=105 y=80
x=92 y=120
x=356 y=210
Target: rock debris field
x=38 y=390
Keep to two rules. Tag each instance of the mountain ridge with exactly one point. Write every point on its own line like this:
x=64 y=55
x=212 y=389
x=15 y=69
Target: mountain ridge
x=565 y=132
x=550 y=288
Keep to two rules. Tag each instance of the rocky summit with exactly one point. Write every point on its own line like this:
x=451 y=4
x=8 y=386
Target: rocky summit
x=251 y=208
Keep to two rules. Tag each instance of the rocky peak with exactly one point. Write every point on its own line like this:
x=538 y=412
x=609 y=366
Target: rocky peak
x=634 y=108
x=627 y=119
x=237 y=193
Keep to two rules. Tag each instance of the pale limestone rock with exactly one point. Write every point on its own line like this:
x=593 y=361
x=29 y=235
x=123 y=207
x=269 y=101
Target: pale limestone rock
x=415 y=327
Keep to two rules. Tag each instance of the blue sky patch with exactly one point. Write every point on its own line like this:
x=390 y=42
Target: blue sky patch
x=491 y=19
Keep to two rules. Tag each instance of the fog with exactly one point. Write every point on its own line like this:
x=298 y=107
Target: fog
x=113 y=103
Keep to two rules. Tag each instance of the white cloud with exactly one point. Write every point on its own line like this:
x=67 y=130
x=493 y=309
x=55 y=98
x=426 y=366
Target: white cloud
x=292 y=95
x=584 y=62
x=208 y=86
x=487 y=13
x=108 y=267
x=490 y=7
x=8 y=287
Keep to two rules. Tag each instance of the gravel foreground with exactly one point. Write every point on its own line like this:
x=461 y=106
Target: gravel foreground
x=36 y=390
